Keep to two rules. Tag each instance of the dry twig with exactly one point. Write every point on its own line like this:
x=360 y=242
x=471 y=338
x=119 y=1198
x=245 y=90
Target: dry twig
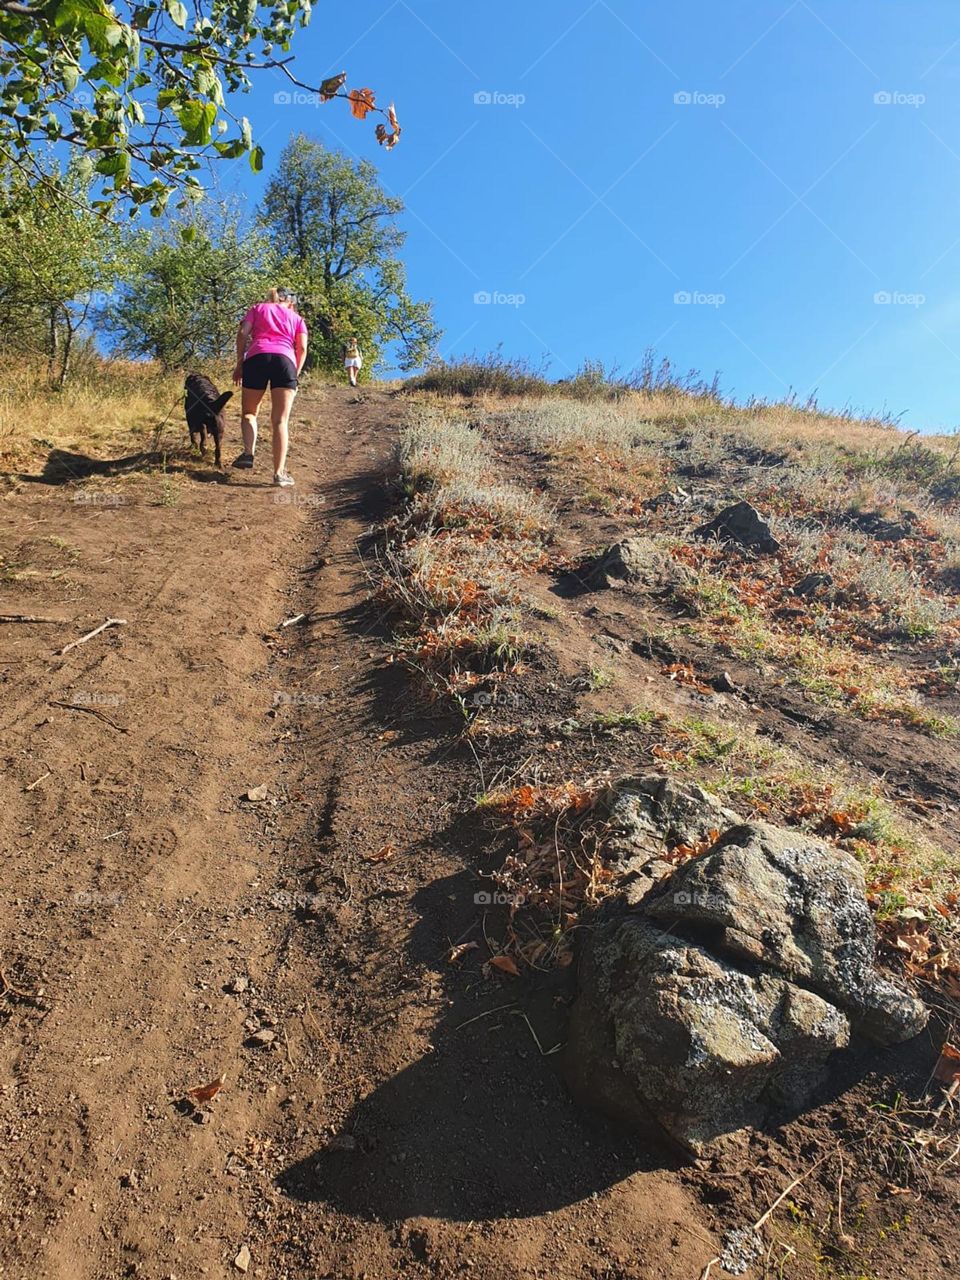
x=93 y=711
x=110 y=622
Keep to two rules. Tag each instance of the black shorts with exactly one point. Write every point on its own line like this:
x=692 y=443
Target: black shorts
x=269 y=369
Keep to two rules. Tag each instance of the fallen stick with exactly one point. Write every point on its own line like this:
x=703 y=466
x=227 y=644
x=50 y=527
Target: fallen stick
x=489 y=1013
x=290 y=621
x=193 y=915
x=110 y=622
x=28 y=617
x=37 y=782
x=93 y=711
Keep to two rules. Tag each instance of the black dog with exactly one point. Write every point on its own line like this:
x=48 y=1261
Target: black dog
x=203 y=406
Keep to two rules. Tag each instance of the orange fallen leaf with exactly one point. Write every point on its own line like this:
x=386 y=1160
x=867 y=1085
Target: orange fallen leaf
x=947 y=1069
x=506 y=965
x=204 y=1092
x=382 y=855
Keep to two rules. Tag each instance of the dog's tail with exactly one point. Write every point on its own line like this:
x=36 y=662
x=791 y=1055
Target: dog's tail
x=221 y=401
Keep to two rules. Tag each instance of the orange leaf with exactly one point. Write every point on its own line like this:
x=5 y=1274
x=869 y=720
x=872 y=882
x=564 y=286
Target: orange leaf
x=204 y=1092
x=948 y=1065
x=389 y=137
x=506 y=965
x=382 y=855
x=361 y=102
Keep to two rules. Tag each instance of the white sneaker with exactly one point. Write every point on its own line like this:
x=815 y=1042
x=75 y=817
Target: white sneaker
x=283 y=480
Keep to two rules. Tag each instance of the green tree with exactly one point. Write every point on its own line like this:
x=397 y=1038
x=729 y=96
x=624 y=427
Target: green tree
x=187 y=287
x=332 y=228
x=139 y=87
x=56 y=262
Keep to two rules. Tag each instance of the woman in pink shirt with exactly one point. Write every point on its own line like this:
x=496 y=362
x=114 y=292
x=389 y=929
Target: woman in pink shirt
x=271 y=350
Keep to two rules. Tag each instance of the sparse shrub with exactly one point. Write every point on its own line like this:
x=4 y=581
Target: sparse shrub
x=492 y=374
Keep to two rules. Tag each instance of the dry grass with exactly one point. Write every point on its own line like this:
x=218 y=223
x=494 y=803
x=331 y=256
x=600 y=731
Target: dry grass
x=108 y=409
x=451 y=562
x=832 y=671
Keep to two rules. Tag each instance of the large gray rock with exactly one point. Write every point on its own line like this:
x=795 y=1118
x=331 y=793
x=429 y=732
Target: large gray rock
x=654 y=810
x=714 y=995
x=650 y=813
x=694 y=1043
x=637 y=562
x=796 y=905
x=743 y=524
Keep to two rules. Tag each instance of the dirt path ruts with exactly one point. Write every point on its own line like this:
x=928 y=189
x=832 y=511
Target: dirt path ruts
x=376 y=1132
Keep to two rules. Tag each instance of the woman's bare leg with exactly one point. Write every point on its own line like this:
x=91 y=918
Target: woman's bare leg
x=249 y=404
x=281 y=402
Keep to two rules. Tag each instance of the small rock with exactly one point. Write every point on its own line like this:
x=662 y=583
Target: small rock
x=741 y=523
x=236 y=986
x=256 y=794
x=811 y=584
x=636 y=562
x=723 y=683
x=649 y=811
x=242 y=1260
x=883 y=529
x=263 y=1037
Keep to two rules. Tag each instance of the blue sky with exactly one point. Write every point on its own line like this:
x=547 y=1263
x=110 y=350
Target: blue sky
x=790 y=168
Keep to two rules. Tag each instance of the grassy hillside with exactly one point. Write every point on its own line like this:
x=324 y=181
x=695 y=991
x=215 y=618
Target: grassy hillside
x=835 y=708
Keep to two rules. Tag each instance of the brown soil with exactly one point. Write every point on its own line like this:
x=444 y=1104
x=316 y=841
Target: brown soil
x=406 y=1116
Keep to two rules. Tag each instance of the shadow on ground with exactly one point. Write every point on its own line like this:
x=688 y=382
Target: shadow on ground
x=62 y=466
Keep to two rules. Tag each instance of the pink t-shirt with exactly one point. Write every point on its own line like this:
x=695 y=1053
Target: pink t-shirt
x=273 y=328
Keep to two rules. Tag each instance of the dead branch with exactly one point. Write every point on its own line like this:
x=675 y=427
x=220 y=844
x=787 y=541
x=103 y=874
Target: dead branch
x=93 y=711
x=110 y=622
x=28 y=617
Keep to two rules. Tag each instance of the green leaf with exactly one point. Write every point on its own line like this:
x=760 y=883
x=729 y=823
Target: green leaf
x=196 y=119
x=256 y=159
x=116 y=166
x=166 y=96
x=187 y=234
x=177 y=12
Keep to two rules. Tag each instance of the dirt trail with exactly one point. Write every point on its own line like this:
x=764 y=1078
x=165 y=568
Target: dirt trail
x=402 y=1119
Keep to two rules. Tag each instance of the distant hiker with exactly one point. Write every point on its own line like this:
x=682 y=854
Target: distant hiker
x=271 y=351
x=352 y=360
